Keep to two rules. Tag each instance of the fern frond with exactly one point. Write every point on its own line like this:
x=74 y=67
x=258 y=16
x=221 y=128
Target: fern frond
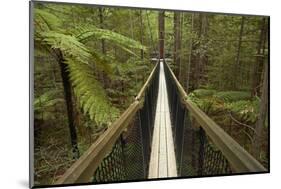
x=69 y=45
x=102 y=62
x=230 y=96
x=85 y=33
x=45 y=21
x=203 y=92
x=90 y=93
x=47 y=99
x=244 y=110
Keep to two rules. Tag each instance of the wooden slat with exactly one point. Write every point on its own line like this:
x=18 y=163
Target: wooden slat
x=239 y=158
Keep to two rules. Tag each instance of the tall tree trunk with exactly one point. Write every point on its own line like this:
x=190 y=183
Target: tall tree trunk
x=161 y=35
x=260 y=53
x=103 y=49
x=237 y=60
x=190 y=55
x=257 y=139
x=141 y=35
x=201 y=57
x=69 y=104
x=183 y=63
x=102 y=27
x=177 y=43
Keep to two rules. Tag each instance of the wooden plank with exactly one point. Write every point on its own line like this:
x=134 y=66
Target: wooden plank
x=239 y=158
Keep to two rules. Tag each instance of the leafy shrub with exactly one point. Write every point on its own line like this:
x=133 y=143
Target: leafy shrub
x=231 y=96
x=203 y=92
x=244 y=110
x=43 y=103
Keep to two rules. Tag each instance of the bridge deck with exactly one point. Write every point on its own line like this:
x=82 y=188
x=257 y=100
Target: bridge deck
x=162 y=158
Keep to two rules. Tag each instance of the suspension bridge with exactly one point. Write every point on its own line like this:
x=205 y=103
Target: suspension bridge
x=161 y=134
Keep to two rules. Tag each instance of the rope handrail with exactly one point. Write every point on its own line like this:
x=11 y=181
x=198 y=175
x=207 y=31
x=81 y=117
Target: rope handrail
x=83 y=169
x=239 y=159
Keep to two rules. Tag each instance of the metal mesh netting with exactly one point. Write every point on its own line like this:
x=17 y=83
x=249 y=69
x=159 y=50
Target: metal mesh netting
x=112 y=167
x=127 y=159
x=135 y=151
x=200 y=156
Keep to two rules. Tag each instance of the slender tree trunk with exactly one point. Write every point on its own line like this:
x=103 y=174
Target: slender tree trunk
x=69 y=104
x=237 y=61
x=102 y=26
x=161 y=35
x=190 y=55
x=141 y=35
x=183 y=62
x=177 y=43
x=151 y=36
x=260 y=53
x=201 y=59
x=103 y=48
x=257 y=140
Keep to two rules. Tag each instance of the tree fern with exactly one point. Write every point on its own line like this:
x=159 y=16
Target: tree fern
x=81 y=61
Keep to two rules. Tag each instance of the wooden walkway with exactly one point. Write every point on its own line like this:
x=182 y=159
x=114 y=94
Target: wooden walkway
x=162 y=158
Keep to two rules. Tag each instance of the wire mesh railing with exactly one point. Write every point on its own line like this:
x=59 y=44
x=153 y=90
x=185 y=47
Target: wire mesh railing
x=201 y=146
x=122 y=153
x=129 y=159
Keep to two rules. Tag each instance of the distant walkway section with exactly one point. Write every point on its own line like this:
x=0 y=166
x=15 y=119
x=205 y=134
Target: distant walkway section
x=162 y=158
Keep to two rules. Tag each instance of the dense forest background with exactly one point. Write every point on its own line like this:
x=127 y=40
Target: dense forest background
x=90 y=62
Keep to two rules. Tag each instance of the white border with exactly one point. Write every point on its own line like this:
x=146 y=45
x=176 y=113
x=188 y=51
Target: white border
x=14 y=90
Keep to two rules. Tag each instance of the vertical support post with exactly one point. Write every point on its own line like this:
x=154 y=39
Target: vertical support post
x=182 y=140
x=124 y=159
x=202 y=139
x=144 y=145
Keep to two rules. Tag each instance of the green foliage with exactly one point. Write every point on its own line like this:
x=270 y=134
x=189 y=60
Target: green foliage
x=90 y=32
x=236 y=102
x=82 y=62
x=69 y=46
x=84 y=34
x=245 y=110
x=230 y=96
x=90 y=93
x=203 y=92
x=43 y=103
x=45 y=21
